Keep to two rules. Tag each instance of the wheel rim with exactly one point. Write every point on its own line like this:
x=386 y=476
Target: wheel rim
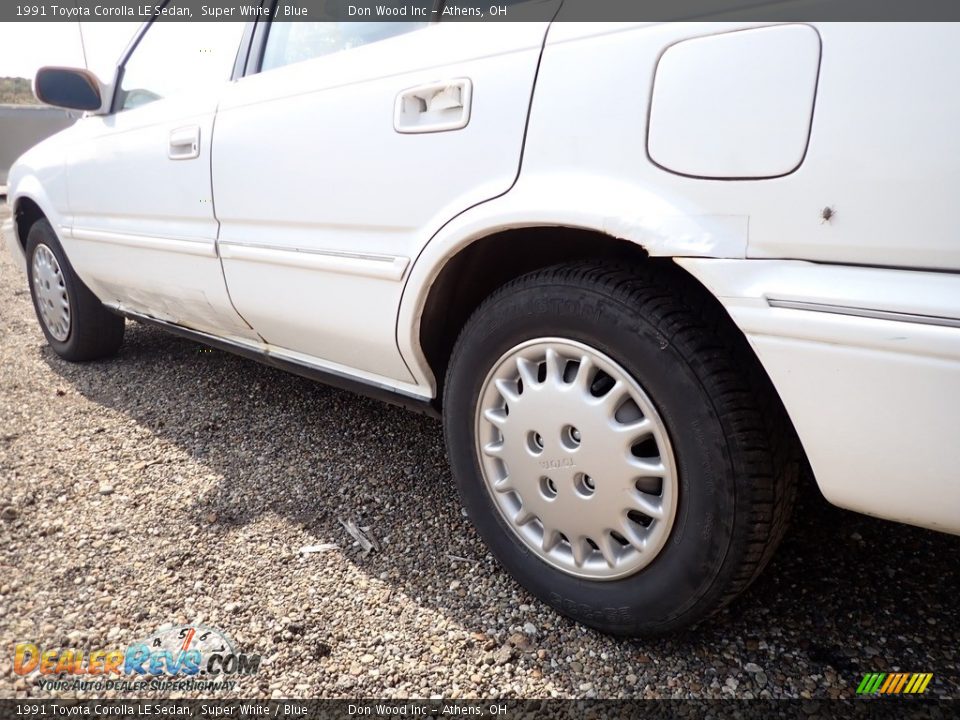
x=50 y=290
x=576 y=458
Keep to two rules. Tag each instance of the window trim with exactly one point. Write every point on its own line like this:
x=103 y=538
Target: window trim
x=240 y=63
x=258 y=44
x=132 y=48
x=243 y=52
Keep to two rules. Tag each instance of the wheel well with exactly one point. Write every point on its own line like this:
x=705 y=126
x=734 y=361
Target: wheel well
x=479 y=269
x=25 y=214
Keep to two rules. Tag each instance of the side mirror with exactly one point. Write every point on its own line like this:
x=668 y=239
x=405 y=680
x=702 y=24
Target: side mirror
x=71 y=88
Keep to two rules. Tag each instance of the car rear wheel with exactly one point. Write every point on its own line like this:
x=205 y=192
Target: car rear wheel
x=76 y=324
x=617 y=446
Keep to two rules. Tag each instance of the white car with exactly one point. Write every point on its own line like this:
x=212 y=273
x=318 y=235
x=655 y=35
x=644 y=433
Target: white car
x=646 y=272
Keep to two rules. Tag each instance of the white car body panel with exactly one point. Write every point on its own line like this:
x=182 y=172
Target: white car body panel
x=358 y=200
x=39 y=177
x=120 y=224
x=332 y=224
x=886 y=210
x=873 y=399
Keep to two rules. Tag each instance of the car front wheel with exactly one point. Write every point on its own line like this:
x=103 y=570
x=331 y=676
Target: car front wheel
x=76 y=324
x=617 y=447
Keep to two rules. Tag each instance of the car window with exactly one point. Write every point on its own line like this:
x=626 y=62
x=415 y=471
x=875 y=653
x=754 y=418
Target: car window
x=293 y=42
x=173 y=57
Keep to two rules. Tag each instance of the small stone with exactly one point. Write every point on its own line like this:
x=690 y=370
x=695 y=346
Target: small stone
x=367 y=659
x=9 y=513
x=455 y=584
x=631 y=679
x=504 y=655
x=520 y=641
x=321 y=649
x=530 y=629
x=752 y=667
x=106 y=489
x=232 y=607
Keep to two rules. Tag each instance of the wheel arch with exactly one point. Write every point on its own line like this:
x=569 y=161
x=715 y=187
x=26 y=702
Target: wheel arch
x=476 y=269
x=31 y=200
x=469 y=275
x=26 y=212
x=563 y=217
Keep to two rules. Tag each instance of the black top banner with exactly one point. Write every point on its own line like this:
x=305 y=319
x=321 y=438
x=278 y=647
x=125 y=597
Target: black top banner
x=481 y=10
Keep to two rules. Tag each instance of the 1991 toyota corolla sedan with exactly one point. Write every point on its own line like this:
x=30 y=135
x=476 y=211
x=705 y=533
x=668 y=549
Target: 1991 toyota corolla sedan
x=645 y=272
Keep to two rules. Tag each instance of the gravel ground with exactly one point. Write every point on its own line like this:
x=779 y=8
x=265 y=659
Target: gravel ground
x=176 y=484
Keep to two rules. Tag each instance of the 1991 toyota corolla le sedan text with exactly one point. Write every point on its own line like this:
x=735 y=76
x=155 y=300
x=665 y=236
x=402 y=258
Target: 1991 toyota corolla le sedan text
x=645 y=272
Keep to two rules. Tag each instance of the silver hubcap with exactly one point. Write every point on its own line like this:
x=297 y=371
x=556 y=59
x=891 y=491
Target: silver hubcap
x=576 y=458
x=50 y=291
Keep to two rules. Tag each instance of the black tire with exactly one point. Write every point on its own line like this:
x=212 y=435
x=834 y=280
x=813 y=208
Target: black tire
x=735 y=449
x=94 y=331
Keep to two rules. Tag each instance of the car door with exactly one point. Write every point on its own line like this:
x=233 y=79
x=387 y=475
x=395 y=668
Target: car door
x=334 y=164
x=141 y=227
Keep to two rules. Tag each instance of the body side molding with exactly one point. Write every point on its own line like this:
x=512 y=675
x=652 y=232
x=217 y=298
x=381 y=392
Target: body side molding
x=863 y=312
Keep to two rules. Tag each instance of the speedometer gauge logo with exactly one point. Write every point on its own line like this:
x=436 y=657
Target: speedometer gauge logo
x=189 y=650
x=191 y=637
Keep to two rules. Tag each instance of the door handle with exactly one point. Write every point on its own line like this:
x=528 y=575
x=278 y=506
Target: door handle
x=434 y=107
x=184 y=143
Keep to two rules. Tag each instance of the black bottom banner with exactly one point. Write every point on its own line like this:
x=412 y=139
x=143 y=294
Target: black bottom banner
x=510 y=709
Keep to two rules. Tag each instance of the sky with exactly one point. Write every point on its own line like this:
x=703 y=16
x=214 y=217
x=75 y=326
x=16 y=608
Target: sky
x=27 y=46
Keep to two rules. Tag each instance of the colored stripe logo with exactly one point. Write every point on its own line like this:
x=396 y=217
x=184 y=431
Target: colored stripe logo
x=894 y=683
